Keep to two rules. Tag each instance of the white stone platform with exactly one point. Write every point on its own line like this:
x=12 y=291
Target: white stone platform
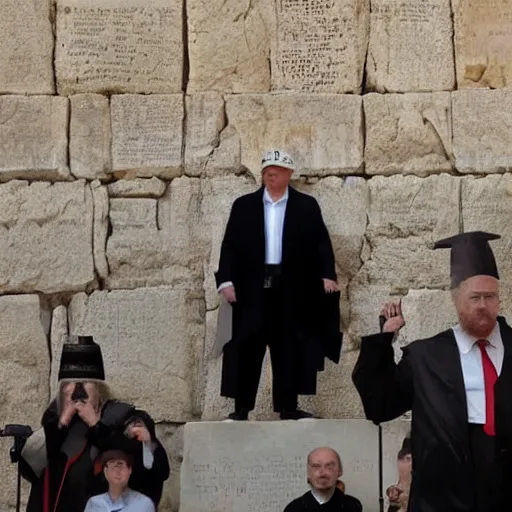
x=261 y=466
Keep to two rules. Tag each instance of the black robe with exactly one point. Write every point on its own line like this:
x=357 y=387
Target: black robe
x=69 y=481
x=311 y=316
x=340 y=502
x=429 y=381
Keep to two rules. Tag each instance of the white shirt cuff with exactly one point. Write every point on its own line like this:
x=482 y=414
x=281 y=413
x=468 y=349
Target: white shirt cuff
x=147 y=456
x=224 y=285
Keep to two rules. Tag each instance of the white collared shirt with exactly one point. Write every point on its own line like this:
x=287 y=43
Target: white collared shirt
x=320 y=499
x=274 y=223
x=472 y=368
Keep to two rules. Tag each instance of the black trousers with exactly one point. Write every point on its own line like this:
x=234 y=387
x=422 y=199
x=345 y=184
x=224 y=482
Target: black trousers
x=486 y=471
x=253 y=352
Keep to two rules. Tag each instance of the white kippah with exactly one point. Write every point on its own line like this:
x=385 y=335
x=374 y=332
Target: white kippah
x=277 y=157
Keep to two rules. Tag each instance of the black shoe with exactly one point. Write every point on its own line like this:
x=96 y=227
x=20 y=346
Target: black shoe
x=240 y=415
x=297 y=414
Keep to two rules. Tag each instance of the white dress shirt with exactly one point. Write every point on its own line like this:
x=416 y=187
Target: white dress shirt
x=274 y=223
x=472 y=368
x=320 y=499
x=274 y=212
x=129 y=501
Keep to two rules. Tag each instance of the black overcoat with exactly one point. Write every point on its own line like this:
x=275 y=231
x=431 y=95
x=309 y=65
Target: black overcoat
x=311 y=316
x=428 y=380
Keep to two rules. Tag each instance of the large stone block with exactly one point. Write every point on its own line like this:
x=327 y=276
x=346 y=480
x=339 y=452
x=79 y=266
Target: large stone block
x=262 y=466
x=116 y=46
x=205 y=119
x=26 y=39
x=149 y=338
x=147 y=134
x=483 y=42
x=324 y=132
x=320 y=47
x=408 y=133
x=46 y=234
x=24 y=378
x=90 y=136
x=482 y=130
x=137 y=187
x=156 y=242
x=487 y=206
x=229 y=45
x=101 y=228
x=411 y=46
x=33 y=139
x=407 y=215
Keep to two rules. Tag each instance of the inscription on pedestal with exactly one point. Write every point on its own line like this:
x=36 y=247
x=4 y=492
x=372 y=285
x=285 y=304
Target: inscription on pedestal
x=119 y=47
x=318 y=46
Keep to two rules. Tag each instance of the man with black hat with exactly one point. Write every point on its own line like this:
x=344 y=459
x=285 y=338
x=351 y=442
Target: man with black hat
x=277 y=271
x=78 y=425
x=458 y=385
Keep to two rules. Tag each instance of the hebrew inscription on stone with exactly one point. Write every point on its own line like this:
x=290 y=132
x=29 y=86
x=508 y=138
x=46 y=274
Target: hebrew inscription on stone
x=320 y=45
x=119 y=46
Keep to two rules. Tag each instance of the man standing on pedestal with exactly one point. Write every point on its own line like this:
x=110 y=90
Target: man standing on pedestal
x=277 y=271
x=458 y=385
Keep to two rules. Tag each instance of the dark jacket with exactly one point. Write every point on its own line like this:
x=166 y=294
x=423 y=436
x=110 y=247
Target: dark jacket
x=340 y=502
x=428 y=380
x=69 y=479
x=311 y=316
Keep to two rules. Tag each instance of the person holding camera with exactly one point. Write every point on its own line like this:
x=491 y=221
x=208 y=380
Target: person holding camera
x=81 y=423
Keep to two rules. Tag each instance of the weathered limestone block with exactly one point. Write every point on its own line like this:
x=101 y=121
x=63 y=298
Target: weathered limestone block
x=118 y=46
x=26 y=40
x=411 y=46
x=483 y=43
x=100 y=228
x=254 y=466
x=149 y=343
x=408 y=133
x=482 y=136
x=157 y=243
x=487 y=206
x=25 y=368
x=301 y=123
x=90 y=136
x=205 y=119
x=147 y=134
x=218 y=195
x=229 y=45
x=46 y=234
x=33 y=138
x=138 y=187
x=426 y=313
x=320 y=47
x=407 y=215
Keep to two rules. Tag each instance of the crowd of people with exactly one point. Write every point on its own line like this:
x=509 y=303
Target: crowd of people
x=277 y=278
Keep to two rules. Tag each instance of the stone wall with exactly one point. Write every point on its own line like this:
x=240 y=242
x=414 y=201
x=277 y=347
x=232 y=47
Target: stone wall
x=127 y=128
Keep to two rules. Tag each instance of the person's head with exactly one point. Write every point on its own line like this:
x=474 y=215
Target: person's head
x=477 y=302
x=277 y=168
x=95 y=392
x=324 y=468
x=404 y=459
x=117 y=468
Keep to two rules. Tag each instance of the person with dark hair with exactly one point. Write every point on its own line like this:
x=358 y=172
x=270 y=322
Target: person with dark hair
x=80 y=423
x=324 y=471
x=458 y=385
x=117 y=468
x=398 y=494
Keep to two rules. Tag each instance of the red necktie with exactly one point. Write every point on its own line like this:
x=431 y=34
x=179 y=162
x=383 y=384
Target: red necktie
x=490 y=378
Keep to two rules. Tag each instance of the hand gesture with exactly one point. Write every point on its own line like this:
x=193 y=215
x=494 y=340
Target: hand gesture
x=394 y=493
x=67 y=414
x=88 y=413
x=330 y=286
x=229 y=294
x=393 y=313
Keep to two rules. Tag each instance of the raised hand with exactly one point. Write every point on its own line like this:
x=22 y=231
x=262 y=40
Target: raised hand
x=394 y=319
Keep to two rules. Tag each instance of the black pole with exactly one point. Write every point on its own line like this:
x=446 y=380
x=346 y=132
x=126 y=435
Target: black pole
x=18 y=488
x=381 y=476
